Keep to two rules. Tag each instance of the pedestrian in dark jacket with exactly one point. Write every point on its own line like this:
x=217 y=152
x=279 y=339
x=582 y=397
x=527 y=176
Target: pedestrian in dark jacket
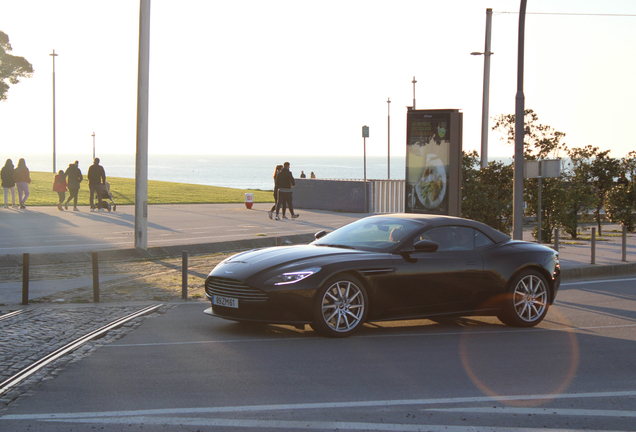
x=22 y=177
x=8 y=183
x=271 y=212
x=285 y=182
x=96 y=178
x=73 y=179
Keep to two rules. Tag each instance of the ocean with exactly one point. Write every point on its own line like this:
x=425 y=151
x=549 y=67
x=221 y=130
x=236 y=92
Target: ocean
x=239 y=172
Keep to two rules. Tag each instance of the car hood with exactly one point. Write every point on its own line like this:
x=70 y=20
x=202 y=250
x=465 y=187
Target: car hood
x=255 y=261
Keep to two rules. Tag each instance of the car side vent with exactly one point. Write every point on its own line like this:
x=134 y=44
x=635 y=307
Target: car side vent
x=376 y=272
x=233 y=288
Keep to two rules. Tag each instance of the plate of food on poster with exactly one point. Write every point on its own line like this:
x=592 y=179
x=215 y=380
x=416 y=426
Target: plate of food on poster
x=431 y=188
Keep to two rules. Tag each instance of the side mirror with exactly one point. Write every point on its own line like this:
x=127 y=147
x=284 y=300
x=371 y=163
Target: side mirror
x=425 y=246
x=320 y=234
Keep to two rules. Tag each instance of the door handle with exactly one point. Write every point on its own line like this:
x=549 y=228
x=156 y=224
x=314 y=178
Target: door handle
x=471 y=263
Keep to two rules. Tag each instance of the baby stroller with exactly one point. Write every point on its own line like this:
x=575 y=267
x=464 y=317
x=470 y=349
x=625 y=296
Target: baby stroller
x=107 y=197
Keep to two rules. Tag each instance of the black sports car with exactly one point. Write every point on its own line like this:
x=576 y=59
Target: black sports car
x=388 y=267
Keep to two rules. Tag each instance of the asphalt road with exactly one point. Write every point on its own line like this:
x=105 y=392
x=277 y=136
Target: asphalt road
x=47 y=230
x=185 y=371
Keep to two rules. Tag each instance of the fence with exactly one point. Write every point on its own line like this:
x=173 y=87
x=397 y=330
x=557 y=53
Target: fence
x=387 y=196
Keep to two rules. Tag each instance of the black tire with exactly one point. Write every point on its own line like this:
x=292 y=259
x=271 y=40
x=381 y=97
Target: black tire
x=527 y=300
x=340 y=307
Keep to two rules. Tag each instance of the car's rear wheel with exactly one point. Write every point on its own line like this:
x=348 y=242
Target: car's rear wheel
x=340 y=307
x=526 y=302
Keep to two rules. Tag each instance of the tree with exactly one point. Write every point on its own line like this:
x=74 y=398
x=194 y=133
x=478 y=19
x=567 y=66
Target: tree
x=487 y=193
x=603 y=170
x=621 y=198
x=12 y=68
x=579 y=197
x=540 y=142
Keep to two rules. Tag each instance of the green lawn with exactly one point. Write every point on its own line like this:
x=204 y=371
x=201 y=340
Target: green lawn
x=159 y=192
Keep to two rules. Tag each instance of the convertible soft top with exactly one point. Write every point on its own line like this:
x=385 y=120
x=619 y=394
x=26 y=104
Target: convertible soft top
x=441 y=220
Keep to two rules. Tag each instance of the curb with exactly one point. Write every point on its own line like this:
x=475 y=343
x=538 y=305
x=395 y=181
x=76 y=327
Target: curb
x=593 y=270
x=154 y=252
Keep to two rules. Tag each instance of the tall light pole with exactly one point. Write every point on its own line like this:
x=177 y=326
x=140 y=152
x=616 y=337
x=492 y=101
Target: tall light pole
x=141 y=156
x=93 y=145
x=517 y=197
x=53 y=55
x=413 y=92
x=486 y=96
x=388 y=139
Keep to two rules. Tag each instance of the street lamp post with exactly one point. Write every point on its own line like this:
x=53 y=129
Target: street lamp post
x=93 y=145
x=413 y=91
x=53 y=55
x=517 y=197
x=486 y=96
x=388 y=139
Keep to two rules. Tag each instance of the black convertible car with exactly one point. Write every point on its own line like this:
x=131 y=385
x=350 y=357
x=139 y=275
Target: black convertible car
x=388 y=267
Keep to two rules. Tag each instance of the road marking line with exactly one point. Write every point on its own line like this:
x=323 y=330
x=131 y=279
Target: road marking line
x=306 y=425
x=540 y=411
x=310 y=406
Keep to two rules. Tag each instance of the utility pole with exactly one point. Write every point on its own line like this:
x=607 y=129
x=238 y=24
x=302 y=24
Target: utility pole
x=53 y=55
x=388 y=139
x=517 y=197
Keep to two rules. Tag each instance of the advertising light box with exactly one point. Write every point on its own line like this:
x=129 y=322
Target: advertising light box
x=433 y=162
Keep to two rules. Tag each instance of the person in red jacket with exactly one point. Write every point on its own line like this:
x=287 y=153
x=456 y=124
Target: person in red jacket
x=59 y=186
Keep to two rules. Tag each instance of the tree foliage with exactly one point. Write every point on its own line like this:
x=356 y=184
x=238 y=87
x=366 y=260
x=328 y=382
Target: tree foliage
x=12 y=68
x=579 y=197
x=540 y=142
x=487 y=192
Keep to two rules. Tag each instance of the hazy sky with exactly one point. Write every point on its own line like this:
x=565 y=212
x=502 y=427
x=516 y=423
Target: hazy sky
x=302 y=77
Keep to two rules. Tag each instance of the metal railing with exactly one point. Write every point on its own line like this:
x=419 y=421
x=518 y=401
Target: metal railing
x=387 y=196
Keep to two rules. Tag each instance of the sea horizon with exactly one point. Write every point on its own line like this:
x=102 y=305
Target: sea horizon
x=232 y=171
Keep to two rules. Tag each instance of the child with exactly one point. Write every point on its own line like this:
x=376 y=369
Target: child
x=59 y=186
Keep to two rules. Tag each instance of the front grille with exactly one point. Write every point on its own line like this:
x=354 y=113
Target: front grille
x=233 y=288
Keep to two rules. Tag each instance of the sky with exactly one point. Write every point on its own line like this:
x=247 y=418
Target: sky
x=295 y=77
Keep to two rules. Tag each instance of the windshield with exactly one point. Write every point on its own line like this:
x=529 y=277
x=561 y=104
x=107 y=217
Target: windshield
x=371 y=234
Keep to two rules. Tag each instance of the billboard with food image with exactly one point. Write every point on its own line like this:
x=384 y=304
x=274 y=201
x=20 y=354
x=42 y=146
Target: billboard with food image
x=431 y=161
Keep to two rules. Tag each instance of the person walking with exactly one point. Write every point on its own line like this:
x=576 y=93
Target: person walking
x=285 y=182
x=8 y=183
x=276 y=171
x=22 y=178
x=59 y=186
x=96 y=178
x=73 y=178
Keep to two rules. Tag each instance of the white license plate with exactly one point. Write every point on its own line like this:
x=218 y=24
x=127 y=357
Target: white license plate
x=225 y=301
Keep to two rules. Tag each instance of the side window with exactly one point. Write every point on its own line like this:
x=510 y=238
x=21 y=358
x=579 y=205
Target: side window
x=481 y=240
x=452 y=238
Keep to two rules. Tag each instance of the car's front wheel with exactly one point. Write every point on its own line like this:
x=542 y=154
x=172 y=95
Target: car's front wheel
x=526 y=302
x=340 y=307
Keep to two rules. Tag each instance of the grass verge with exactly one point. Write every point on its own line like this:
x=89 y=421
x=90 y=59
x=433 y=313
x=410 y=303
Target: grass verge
x=159 y=192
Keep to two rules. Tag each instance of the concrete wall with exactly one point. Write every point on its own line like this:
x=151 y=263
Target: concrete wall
x=332 y=195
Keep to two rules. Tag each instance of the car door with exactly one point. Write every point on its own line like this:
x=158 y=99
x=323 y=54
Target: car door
x=440 y=282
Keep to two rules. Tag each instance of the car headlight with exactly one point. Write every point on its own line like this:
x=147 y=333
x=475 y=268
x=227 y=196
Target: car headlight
x=293 y=277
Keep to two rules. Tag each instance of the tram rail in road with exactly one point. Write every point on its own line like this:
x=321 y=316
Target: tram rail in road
x=69 y=347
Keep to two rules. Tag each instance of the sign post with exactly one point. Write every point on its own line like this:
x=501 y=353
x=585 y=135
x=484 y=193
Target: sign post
x=365 y=135
x=540 y=169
